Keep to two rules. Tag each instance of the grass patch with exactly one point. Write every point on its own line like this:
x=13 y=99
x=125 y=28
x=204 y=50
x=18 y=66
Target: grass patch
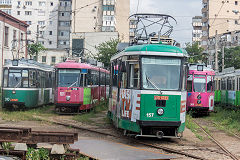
x=226 y=119
x=86 y=117
x=27 y=115
x=193 y=127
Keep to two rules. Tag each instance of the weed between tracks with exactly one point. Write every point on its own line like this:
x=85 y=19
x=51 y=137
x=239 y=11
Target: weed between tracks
x=96 y=112
x=226 y=119
x=27 y=115
x=193 y=127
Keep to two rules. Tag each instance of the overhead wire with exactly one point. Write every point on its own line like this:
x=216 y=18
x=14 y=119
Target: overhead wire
x=223 y=2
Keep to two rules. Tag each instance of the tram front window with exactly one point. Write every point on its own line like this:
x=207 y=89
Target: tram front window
x=15 y=78
x=161 y=73
x=199 y=84
x=69 y=78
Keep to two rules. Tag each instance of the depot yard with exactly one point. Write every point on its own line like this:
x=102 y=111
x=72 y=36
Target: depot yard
x=223 y=124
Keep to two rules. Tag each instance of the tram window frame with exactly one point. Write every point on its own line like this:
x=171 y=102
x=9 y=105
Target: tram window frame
x=190 y=89
x=209 y=84
x=132 y=83
x=5 y=81
x=27 y=86
x=115 y=73
x=34 y=78
x=20 y=71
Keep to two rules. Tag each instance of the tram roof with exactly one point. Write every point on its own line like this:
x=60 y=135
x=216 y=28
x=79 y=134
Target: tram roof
x=76 y=65
x=28 y=63
x=153 y=49
x=194 y=69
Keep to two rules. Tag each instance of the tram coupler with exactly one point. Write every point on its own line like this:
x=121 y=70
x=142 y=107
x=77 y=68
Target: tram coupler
x=160 y=134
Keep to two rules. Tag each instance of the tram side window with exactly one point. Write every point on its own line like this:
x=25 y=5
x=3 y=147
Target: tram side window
x=189 y=83
x=233 y=85
x=134 y=76
x=115 y=76
x=223 y=84
x=25 y=78
x=32 y=78
x=5 y=80
x=209 y=84
x=102 y=78
x=229 y=84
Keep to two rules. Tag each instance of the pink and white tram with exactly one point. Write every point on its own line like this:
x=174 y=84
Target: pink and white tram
x=79 y=86
x=200 y=88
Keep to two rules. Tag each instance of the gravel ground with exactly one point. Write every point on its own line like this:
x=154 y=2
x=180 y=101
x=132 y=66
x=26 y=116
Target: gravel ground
x=188 y=143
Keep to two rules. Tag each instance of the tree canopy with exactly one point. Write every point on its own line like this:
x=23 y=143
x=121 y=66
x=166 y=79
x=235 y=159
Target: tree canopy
x=195 y=52
x=35 y=48
x=231 y=57
x=106 y=50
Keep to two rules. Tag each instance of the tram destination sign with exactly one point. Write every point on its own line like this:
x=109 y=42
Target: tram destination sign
x=161 y=97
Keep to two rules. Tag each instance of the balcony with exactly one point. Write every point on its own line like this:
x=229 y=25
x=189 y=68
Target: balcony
x=197 y=31
x=204 y=10
x=197 y=24
x=205 y=28
x=204 y=19
x=205 y=1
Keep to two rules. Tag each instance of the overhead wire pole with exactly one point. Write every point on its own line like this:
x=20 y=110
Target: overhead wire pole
x=223 y=47
x=216 y=52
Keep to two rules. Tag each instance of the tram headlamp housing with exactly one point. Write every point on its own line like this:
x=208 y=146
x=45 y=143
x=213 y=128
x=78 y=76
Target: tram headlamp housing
x=160 y=111
x=199 y=96
x=13 y=92
x=68 y=98
x=198 y=101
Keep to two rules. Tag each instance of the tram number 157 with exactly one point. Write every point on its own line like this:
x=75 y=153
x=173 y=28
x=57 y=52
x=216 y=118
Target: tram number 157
x=150 y=114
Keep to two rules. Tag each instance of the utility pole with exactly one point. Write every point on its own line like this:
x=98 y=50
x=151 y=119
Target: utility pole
x=216 y=52
x=223 y=47
x=37 y=34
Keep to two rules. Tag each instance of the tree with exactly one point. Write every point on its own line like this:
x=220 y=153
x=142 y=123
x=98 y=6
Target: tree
x=106 y=50
x=34 y=49
x=231 y=58
x=196 y=54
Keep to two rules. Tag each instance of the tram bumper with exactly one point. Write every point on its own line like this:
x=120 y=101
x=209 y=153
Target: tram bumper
x=14 y=105
x=67 y=107
x=159 y=129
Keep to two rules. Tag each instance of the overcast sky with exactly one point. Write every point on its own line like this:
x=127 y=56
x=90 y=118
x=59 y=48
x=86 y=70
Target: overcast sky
x=181 y=10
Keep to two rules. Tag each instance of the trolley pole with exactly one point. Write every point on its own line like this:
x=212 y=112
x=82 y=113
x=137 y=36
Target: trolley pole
x=216 y=51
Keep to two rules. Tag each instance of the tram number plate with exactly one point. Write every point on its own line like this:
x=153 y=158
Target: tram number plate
x=150 y=114
x=161 y=97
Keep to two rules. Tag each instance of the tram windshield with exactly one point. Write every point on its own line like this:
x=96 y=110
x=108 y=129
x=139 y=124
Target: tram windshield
x=69 y=77
x=199 y=84
x=161 y=73
x=15 y=78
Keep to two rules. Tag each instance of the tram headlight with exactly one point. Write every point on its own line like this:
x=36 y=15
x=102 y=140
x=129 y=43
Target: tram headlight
x=68 y=98
x=160 y=111
x=13 y=92
x=199 y=96
x=198 y=101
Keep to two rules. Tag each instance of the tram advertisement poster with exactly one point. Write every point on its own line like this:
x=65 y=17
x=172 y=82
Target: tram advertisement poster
x=130 y=104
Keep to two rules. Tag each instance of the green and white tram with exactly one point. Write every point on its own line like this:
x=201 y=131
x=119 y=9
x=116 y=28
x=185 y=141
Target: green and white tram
x=26 y=84
x=148 y=90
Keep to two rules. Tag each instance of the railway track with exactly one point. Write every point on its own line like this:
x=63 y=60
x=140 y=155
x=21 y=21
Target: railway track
x=167 y=149
x=217 y=142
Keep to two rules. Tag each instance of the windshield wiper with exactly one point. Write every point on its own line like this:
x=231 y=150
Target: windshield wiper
x=153 y=84
x=17 y=84
x=73 y=83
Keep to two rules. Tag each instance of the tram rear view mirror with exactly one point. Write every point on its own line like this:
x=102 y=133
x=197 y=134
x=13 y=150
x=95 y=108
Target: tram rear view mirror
x=123 y=67
x=15 y=62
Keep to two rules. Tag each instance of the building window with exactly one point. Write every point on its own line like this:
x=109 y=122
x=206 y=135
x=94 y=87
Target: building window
x=50 y=42
x=64 y=23
x=41 y=42
x=19 y=2
x=108 y=7
x=50 y=32
x=51 y=3
x=8 y=11
x=50 y=22
x=29 y=22
x=18 y=12
x=62 y=14
x=5 y=2
x=41 y=3
x=28 y=3
x=64 y=33
x=28 y=12
x=236 y=21
x=41 y=32
x=6 y=36
x=53 y=59
x=60 y=42
x=236 y=2
x=44 y=59
x=29 y=32
x=42 y=23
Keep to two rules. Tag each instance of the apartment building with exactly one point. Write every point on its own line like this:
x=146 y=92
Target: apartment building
x=49 y=23
x=13 y=39
x=97 y=22
x=219 y=17
x=197 y=30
